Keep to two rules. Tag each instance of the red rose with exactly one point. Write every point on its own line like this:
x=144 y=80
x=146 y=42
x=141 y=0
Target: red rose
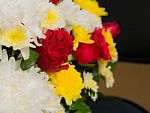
x=89 y=53
x=113 y=27
x=54 y=1
x=54 y=50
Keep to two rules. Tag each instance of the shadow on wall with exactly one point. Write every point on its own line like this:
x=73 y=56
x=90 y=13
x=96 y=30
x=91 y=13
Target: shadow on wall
x=131 y=82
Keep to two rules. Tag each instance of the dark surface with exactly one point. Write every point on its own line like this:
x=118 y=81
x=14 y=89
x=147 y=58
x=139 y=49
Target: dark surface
x=115 y=105
x=134 y=18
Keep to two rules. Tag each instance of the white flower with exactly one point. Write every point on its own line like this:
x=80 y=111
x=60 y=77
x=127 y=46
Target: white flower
x=89 y=83
x=105 y=71
x=40 y=14
x=36 y=15
x=21 y=21
x=18 y=37
x=74 y=16
x=10 y=11
x=90 y=21
x=12 y=31
x=25 y=91
x=53 y=17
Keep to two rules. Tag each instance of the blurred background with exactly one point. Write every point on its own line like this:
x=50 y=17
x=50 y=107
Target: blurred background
x=132 y=74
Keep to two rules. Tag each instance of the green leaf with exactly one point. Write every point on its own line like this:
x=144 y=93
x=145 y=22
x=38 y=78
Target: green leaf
x=71 y=57
x=88 y=65
x=26 y=64
x=96 y=75
x=113 y=65
x=80 y=107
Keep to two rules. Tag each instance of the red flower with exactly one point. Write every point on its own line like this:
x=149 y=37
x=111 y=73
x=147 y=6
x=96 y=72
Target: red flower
x=113 y=27
x=89 y=53
x=54 y=50
x=54 y=1
x=101 y=44
x=86 y=53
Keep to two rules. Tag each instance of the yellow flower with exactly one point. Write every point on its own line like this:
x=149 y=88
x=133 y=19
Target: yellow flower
x=68 y=84
x=105 y=71
x=92 y=6
x=81 y=35
x=109 y=39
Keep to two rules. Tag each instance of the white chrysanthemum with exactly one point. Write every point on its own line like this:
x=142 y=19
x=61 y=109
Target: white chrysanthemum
x=53 y=17
x=41 y=14
x=34 y=14
x=24 y=20
x=12 y=31
x=10 y=11
x=92 y=21
x=105 y=71
x=25 y=91
x=18 y=37
x=89 y=83
x=75 y=16
x=15 y=11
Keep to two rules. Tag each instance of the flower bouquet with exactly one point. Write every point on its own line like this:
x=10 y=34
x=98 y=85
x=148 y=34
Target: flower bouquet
x=53 y=54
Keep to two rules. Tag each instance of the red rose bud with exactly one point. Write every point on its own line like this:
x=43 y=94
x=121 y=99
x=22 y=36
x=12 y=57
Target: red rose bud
x=86 y=53
x=54 y=50
x=113 y=27
x=54 y=1
x=89 y=53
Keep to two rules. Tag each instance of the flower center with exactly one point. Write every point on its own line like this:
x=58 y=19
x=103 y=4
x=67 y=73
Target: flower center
x=51 y=17
x=15 y=36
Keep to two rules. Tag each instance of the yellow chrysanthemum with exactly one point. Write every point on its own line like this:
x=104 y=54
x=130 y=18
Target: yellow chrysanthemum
x=105 y=71
x=81 y=35
x=68 y=84
x=109 y=39
x=92 y=6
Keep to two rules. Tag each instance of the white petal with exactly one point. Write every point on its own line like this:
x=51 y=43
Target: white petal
x=25 y=91
x=105 y=71
x=75 y=16
x=4 y=56
x=0 y=52
x=25 y=52
x=12 y=64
